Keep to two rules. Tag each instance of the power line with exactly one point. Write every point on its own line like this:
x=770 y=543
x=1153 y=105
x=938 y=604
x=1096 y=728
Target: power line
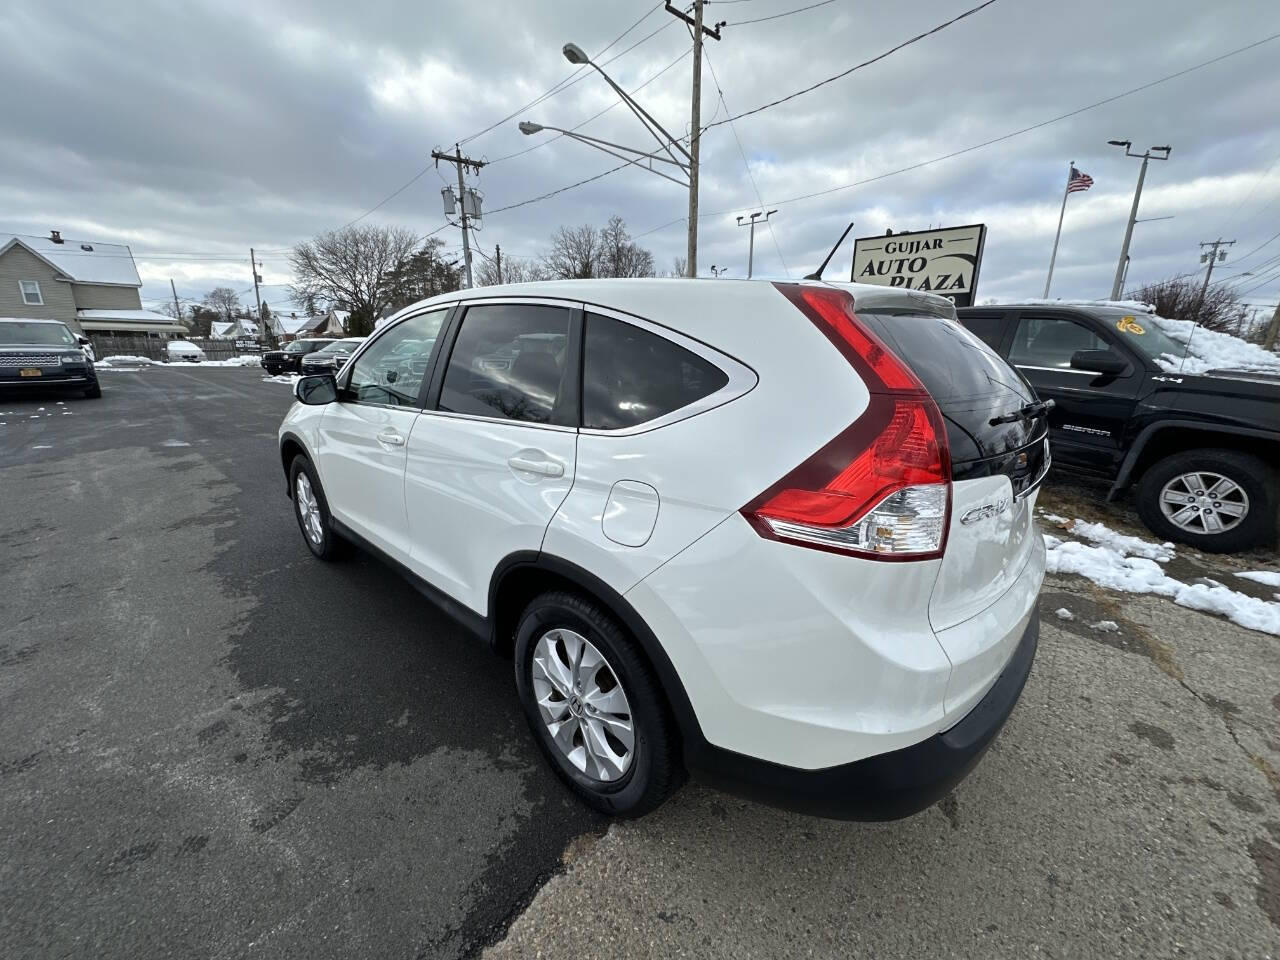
x=547 y=196
x=594 y=116
x=556 y=88
x=743 y=153
x=866 y=63
x=1248 y=196
x=777 y=16
x=999 y=139
x=1264 y=243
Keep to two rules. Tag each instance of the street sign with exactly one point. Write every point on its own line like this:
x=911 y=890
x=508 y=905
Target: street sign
x=944 y=261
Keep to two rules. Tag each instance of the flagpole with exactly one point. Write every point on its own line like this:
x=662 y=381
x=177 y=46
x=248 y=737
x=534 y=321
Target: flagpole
x=1058 y=236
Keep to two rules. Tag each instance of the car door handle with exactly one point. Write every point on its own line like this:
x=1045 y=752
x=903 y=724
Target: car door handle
x=391 y=438
x=543 y=468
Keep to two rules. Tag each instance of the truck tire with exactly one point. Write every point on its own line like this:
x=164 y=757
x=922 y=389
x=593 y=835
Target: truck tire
x=1218 y=501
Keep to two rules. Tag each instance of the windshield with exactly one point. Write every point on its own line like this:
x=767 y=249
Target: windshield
x=45 y=334
x=296 y=347
x=1140 y=331
x=341 y=346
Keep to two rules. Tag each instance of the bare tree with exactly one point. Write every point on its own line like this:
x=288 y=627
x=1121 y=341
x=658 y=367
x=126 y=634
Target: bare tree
x=514 y=270
x=574 y=253
x=620 y=255
x=351 y=267
x=679 y=267
x=582 y=252
x=1180 y=299
x=223 y=301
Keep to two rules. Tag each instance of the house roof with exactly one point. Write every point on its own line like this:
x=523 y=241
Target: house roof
x=290 y=323
x=218 y=329
x=109 y=263
x=141 y=320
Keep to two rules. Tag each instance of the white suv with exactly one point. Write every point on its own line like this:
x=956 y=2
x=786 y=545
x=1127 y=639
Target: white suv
x=729 y=527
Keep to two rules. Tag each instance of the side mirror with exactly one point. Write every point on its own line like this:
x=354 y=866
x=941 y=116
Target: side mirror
x=1098 y=361
x=317 y=391
x=84 y=341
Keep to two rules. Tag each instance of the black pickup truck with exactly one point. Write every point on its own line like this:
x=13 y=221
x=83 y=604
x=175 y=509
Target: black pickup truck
x=1200 y=452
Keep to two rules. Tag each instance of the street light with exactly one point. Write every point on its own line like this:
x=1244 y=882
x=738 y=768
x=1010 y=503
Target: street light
x=1152 y=153
x=751 y=247
x=679 y=157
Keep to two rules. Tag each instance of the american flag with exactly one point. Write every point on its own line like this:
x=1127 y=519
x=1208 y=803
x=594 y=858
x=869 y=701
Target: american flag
x=1078 y=181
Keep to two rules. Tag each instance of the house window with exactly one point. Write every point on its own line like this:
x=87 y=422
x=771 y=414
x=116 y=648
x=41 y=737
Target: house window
x=31 y=293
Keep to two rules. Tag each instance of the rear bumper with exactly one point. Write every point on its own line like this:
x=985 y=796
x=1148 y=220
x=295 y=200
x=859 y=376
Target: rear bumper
x=887 y=786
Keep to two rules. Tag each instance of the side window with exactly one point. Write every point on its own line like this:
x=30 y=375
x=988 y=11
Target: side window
x=391 y=371
x=987 y=327
x=1050 y=341
x=631 y=376
x=508 y=362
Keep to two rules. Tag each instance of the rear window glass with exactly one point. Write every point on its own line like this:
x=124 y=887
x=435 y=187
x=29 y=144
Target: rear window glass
x=631 y=376
x=953 y=364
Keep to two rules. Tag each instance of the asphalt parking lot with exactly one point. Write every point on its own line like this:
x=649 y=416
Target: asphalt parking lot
x=213 y=746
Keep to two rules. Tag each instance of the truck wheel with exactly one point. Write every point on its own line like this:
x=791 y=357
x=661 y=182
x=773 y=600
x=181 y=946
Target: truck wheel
x=1218 y=501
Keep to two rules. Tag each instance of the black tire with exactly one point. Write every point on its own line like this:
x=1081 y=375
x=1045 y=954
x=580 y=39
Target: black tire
x=93 y=392
x=329 y=546
x=1256 y=527
x=655 y=770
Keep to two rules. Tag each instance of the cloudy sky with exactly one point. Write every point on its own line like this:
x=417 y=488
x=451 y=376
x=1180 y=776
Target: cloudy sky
x=192 y=131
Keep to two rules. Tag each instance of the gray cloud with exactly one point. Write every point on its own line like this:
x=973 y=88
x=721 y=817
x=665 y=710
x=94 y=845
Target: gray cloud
x=212 y=127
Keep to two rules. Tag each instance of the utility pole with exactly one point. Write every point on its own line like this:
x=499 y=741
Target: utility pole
x=497 y=255
x=177 y=310
x=1273 y=330
x=253 y=263
x=462 y=163
x=1212 y=257
x=1121 y=267
x=751 y=245
x=695 y=120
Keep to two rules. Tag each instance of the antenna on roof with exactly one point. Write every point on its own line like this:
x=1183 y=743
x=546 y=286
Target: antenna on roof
x=817 y=274
x=55 y=236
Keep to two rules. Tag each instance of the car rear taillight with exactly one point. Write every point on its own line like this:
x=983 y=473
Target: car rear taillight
x=882 y=488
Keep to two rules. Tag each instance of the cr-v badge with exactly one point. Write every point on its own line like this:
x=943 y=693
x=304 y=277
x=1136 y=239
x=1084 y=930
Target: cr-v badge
x=984 y=512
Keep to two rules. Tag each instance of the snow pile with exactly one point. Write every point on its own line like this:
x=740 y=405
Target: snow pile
x=1109 y=564
x=1133 y=306
x=1213 y=350
x=1268 y=578
x=1105 y=626
x=1062 y=613
x=124 y=360
x=1122 y=543
x=289 y=378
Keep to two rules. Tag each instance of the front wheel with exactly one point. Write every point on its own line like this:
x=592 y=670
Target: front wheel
x=93 y=392
x=312 y=512
x=1218 y=501
x=594 y=706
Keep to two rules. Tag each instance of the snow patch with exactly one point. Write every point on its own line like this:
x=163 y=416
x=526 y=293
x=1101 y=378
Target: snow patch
x=289 y=378
x=1054 y=518
x=42 y=446
x=1268 y=578
x=1108 y=566
x=1105 y=626
x=1133 y=546
x=1212 y=350
x=1062 y=613
x=175 y=443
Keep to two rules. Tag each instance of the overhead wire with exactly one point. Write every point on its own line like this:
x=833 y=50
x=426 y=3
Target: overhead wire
x=778 y=16
x=866 y=63
x=1000 y=139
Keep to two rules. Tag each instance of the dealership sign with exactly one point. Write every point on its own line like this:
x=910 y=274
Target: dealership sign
x=940 y=261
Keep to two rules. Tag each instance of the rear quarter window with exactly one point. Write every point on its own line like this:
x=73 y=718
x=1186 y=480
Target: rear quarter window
x=631 y=376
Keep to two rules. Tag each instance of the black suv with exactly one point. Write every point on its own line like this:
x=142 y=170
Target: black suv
x=44 y=353
x=1200 y=451
x=290 y=358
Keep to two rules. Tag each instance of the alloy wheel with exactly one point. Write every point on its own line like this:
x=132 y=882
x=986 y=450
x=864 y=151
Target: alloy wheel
x=308 y=509
x=583 y=705
x=1204 y=502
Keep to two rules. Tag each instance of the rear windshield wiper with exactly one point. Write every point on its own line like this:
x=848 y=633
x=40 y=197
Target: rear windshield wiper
x=1028 y=412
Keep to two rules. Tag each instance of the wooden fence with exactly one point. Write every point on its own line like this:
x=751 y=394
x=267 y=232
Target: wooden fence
x=105 y=345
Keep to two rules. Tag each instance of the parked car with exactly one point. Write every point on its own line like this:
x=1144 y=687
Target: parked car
x=289 y=360
x=182 y=350
x=44 y=353
x=1199 y=452
x=330 y=359
x=728 y=527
